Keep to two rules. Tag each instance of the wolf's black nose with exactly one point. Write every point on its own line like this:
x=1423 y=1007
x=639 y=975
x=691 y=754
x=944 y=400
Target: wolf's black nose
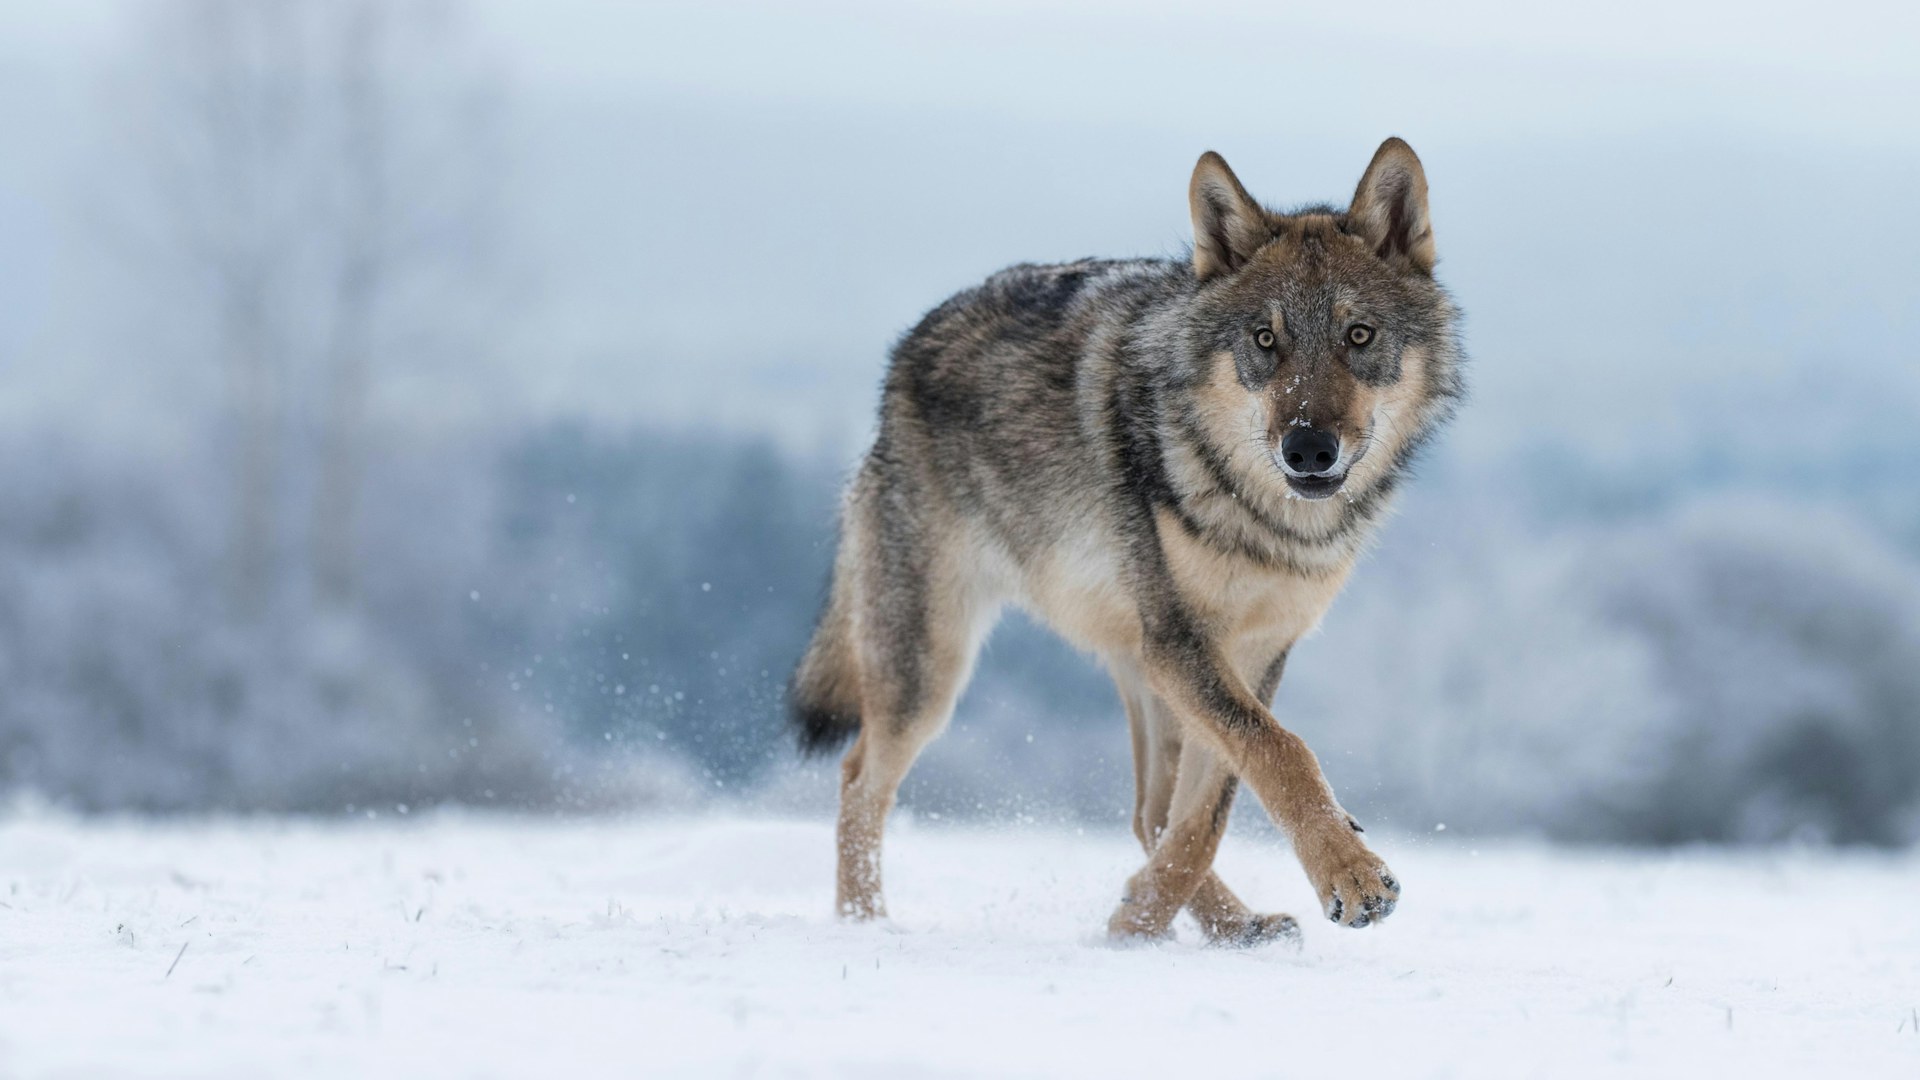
x=1309 y=451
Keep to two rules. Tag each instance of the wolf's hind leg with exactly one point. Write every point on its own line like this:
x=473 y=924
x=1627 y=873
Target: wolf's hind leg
x=1156 y=760
x=921 y=616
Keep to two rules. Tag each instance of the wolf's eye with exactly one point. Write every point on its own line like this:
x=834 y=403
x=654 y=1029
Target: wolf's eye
x=1263 y=337
x=1359 y=334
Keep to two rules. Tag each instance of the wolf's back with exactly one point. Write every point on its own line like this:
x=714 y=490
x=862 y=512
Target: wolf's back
x=981 y=416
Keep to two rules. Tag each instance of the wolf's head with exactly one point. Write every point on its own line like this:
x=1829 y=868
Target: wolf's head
x=1322 y=334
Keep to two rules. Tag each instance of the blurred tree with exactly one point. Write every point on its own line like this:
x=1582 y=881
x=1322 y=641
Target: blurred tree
x=324 y=169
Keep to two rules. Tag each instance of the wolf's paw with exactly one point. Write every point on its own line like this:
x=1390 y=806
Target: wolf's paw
x=1255 y=931
x=1137 y=924
x=865 y=907
x=1355 y=887
x=1143 y=916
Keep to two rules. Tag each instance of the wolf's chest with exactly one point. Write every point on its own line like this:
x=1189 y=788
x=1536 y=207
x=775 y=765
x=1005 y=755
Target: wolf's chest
x=1259 y=606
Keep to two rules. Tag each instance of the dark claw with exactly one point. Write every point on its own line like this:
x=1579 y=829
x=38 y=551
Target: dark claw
x=1389 y=882
x=1363 y=920
x=1338 y=908
x=1356 y=825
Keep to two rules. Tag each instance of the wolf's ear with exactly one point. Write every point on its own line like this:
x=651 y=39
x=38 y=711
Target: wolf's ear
x=1228 y=226
x=1389 y=210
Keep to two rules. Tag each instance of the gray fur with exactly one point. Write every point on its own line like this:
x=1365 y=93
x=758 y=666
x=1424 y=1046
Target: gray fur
x=1055 y=421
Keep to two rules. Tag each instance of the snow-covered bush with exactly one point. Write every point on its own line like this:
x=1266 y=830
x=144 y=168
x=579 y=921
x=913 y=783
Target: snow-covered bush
x=1738 y=669
x=131 y=684
x=562 y=618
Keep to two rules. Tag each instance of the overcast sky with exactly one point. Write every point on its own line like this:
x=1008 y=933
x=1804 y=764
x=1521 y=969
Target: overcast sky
x=1841 y=70
x=729 y=210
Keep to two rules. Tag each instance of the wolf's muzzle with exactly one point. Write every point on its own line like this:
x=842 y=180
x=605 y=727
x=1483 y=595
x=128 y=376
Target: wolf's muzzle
x=1311 y=459
x=1309 y=452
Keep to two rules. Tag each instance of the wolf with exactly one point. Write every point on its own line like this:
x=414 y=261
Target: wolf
x=1172 y=462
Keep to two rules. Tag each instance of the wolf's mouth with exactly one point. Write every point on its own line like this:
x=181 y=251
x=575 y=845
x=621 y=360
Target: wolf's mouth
x=1315 y=487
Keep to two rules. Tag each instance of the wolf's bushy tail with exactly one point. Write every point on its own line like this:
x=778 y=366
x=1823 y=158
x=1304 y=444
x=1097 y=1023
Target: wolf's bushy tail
x=823 y=700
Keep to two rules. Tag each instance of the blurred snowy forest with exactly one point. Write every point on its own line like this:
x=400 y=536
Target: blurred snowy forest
x=408 y=403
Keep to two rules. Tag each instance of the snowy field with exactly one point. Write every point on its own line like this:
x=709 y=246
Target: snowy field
x=458 y=945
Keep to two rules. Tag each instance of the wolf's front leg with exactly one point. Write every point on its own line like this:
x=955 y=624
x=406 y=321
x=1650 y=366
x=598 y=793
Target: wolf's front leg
x=1181 y=859
x=1354 y=885
x=1157 y=744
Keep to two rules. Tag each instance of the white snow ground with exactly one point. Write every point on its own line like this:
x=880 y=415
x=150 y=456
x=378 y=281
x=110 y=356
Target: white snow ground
x=459 y=945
